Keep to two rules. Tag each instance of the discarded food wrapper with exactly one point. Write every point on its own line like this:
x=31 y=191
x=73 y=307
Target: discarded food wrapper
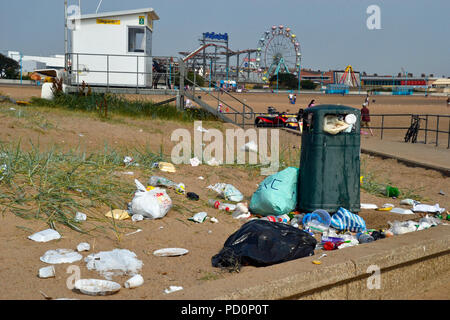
x=80 y=216
x=428 y=208
x=97 y=287
x=118 y=214
x=170 y=252
x=45 y=235
x=116 y=262
x=134 y=282
x=401 y=211
x=250 y=146
x=83 y=246
x=199 y=217
x=60 y=256
x=47 y=272
x=194 y=162
x=166 y=167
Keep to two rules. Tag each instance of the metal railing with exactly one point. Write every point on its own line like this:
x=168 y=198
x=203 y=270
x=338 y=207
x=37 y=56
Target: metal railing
x=139 y=70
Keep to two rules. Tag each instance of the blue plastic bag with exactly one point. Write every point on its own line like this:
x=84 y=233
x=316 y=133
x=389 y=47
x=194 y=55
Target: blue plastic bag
x=345 y=220
x=277 y=194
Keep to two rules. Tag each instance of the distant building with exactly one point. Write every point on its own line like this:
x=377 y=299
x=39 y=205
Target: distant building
x=390 y=81
x=31 y=63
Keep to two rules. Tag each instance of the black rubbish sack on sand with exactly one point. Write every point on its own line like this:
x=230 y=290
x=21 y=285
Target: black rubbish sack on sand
x=262 y=243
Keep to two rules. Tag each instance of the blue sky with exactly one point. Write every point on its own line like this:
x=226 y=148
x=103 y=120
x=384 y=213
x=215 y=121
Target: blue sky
x=414 y=34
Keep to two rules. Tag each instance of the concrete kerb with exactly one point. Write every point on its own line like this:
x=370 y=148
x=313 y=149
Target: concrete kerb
x=343 y=273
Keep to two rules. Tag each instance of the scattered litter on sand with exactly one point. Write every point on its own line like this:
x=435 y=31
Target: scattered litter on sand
x=45 y=235
x=61 y=256
x=97 y=287
x=172 y=289
x=114 y=263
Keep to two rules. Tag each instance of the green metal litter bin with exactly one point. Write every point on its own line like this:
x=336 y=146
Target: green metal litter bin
x=329 y=175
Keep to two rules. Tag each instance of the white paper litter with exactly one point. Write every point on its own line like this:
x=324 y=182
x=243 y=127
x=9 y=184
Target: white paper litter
x=60 y=256
x=368 y=206
x=172 y=289
x=114 y=263
x=45 y=235
x=401 y=211
x=427 y=208
x=80 y=216
x=97 y=287
x=83 y=246
x=194 y=162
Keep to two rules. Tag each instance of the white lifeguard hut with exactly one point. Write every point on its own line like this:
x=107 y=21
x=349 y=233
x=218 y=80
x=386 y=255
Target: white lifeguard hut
x=112 y=48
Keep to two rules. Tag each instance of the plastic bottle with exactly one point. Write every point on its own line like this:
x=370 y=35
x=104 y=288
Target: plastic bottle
x=270 y=218
x=221 y=206
x=364 y=238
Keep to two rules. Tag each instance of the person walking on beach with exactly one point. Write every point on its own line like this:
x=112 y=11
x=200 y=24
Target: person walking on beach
x=365 y=118
x=294 y=99
x=291 y=96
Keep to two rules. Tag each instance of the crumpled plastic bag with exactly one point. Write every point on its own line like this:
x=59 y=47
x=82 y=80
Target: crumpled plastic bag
x=401 y=227
x=419 y=207
x=227 y=191
x=333 y=125
x=153 y=204
x=263 y=243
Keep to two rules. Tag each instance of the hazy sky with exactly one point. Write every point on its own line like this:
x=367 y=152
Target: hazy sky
x=414 y=34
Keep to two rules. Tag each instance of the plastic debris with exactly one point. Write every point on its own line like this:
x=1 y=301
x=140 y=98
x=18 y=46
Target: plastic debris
x=47 y=272
x=114 y=263
x=369 y=206
x=201 y=178
x=241 y=211
x=170 y=252
x=83 y=246
x=134 y=232
x=401 y=211
x=79 y=216
x=118 y=214
x=409 y=202
x=60 y=256
x=213 y=162
x=214 y=220
x=333 y=125
x=199 y=217
x=128 y=160
x=97 y=287
x=427 y=208
x=227 y=191
x=45 y=235
x=194 y=162
x=172 y=289
x=137 y=217
x=401 y=227
x=157 y=181
x=153 y=204
x=134 y=282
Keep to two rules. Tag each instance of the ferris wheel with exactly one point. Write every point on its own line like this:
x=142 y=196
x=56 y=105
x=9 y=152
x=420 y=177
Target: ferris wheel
x=278 y=50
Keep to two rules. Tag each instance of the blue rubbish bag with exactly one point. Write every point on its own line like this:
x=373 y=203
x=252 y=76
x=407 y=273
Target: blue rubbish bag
x=277 y=194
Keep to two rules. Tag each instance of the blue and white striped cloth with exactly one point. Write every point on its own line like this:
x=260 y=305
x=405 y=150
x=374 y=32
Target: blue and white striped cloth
x=345 y=220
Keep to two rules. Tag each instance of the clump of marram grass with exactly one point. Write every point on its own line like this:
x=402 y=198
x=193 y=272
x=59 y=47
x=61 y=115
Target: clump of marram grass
x=52 y=186
x=118 y=105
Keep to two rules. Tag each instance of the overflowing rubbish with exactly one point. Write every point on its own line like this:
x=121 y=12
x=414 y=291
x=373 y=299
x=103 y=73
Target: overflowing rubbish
x=364 y=238
x=134 y=282
x=118 y=214
x=47 y=272
x=263 y=243
x=222 y=205
x=346 y=220
x=60 y=256
x=333 y=125
x=227 y=191
x=199 y=217
x=96 y=287
x=45 y=235
x=114 y=263
x=83 y=246
x=277 y=194
x=317 y=221
x=170 y=252
x=172 y=289
x=153 y=204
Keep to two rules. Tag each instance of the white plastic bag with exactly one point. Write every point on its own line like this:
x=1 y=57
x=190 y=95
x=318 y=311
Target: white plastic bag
x=227 y=191
x=153 y=204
